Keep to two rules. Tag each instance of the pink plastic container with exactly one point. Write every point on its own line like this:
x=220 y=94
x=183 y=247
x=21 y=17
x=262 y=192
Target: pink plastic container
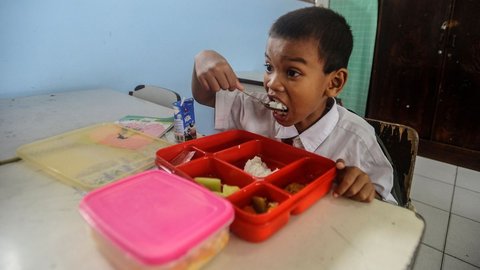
x=156 y=220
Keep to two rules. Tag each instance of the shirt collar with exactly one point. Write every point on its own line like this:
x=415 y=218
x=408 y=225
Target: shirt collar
x=314 y=135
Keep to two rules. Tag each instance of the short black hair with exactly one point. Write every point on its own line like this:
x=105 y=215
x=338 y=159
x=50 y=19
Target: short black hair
x=328 y=28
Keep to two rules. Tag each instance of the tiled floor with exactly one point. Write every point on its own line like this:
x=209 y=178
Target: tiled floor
x=448 y=198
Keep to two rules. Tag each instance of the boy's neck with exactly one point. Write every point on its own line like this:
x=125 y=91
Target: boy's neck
x=328 y=106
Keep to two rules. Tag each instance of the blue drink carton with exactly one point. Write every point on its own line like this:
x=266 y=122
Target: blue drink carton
x=184 y=120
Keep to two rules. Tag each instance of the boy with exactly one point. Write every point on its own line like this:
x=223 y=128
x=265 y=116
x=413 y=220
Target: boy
x=305 y=69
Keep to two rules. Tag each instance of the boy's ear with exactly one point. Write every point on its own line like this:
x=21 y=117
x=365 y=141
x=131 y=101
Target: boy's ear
x=337 y=82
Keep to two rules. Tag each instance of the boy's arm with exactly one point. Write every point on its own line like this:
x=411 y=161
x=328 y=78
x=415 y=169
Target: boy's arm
x=211 y=73
x=354 y=183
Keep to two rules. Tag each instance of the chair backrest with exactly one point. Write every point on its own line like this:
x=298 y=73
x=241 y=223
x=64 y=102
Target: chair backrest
x=159 y=95
x=401 y=142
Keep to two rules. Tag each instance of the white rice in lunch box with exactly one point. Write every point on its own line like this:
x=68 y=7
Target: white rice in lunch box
x=257 y=167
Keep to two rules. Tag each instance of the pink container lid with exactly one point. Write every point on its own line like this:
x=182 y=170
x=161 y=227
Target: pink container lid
x=154 y=216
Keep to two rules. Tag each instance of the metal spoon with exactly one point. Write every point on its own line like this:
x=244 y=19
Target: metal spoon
x=266 y=104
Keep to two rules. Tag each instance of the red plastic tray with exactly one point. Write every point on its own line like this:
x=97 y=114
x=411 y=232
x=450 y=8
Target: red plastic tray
x=224 y=155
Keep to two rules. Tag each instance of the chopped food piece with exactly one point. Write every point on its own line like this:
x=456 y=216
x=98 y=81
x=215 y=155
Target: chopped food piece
x=259 y=204
x=257 y=167
x=213 y=184
x=271 y=205
x=294 y=187
x=228 y=190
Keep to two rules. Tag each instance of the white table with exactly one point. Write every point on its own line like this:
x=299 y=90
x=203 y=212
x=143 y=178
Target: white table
x=27 y=119
x=41 y=228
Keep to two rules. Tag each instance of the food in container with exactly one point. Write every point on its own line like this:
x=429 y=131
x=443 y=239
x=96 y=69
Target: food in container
x=294 y=187
x=260 y=205
x=215 y=185
x=300 y=178
x=156 y=220
x=257 y=167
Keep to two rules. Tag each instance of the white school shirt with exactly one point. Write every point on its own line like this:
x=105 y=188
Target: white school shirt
x=338 y=134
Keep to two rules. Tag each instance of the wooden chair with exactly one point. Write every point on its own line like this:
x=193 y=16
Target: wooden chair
x=401 y=142
x=159 y=95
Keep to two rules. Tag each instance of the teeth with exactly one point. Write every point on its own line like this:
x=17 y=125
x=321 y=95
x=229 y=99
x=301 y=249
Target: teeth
x=277 y=105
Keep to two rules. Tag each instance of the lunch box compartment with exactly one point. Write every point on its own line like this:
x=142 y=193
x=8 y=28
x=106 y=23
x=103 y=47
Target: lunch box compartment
x=273 y=156
x=256 y=227
x=303 y=172
x=309 y=172
x=210 y=167
x=177 y=154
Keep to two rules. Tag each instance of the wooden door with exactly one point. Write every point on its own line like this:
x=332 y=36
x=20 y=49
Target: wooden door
x=407 y=64
x=457 y=117
x=426 y=74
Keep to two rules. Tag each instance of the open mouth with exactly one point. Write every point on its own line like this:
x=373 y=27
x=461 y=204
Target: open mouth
x=278 y=106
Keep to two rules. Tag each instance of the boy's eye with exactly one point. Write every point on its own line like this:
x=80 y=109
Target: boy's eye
x=268 y=68
x=293 y=73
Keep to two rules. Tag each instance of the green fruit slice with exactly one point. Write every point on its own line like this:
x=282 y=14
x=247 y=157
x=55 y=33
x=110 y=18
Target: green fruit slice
x=213 y=184
x=229 y=190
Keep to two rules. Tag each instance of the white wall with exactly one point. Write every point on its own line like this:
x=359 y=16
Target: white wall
x=63 y=45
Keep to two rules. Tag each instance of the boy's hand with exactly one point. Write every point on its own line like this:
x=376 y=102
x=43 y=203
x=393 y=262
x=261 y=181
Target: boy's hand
x=213 y=72
x=353 y=183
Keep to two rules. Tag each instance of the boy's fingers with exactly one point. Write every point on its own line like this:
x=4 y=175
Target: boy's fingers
x=232 y=79
x=345 y=182
x=213 y=84
x=357 y=185
x=373 y=195
x=204 y=83
x=353 y=183
x=366 y=194
x=340 y=164
x=239 y=85
x=224 y=81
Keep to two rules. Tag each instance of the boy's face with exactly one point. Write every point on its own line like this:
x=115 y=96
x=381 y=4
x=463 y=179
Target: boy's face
x=294 y=76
